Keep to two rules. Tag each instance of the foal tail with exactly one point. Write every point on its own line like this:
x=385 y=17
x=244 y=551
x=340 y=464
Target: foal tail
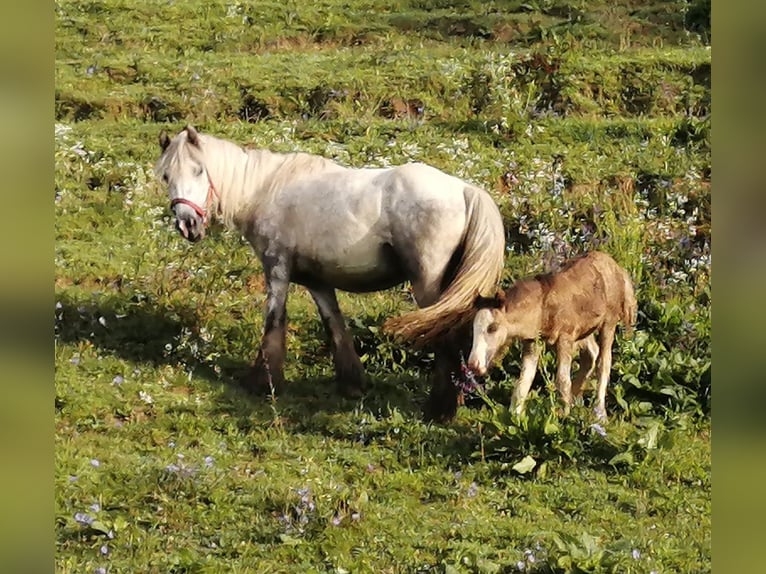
x=478 y=273
x=629 y=304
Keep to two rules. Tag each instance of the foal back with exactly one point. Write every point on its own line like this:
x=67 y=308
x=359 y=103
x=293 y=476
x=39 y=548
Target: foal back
x=588 y=292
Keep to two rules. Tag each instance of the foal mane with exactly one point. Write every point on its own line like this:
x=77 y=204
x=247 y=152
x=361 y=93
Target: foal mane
x=497 y=301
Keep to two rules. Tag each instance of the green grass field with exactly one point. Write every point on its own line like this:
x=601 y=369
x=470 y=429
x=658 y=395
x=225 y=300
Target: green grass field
x=589 y=122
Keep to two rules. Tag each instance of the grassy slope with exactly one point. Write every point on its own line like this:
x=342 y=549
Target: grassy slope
x=151 y=332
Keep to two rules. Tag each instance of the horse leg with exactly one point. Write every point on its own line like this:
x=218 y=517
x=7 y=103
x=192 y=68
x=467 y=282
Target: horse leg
x=563 y=370
x=529 y=357
x=587 y=360
x=267 y=373
x=605 y=340
x=348 y=367
x=443 y=399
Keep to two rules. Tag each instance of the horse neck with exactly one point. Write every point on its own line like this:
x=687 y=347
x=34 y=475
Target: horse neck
x=250 y=179
x=239 y=178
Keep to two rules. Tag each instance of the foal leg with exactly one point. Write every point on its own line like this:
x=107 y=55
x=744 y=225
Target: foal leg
x=564 y=365
x=268 y=371
x=348 y=367
x=529 y=357
x=587 y=359
x=606 y=338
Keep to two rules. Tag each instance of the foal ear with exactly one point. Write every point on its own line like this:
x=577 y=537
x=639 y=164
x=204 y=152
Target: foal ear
x=192 y=136
x=500 y=295
x=164 y=140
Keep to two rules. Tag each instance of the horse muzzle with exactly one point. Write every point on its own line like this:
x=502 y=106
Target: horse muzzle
x=476 y=367
x=189 y=223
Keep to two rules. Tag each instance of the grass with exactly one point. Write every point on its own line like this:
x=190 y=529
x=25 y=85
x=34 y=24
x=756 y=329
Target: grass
x=588 y=123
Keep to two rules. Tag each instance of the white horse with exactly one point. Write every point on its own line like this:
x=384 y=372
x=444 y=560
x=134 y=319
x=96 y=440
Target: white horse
x=324 y=226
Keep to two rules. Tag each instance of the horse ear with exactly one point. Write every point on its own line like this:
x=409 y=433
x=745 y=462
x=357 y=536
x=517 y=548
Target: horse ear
x=500 y=295
x=192 y=136
x=164 y=140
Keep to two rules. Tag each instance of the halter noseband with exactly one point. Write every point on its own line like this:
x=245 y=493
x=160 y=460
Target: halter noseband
x=211 y=192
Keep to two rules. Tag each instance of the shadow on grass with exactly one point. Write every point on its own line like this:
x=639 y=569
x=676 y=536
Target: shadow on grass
x=141 y=330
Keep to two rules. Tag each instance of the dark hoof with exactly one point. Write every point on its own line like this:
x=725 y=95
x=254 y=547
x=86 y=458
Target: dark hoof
x=351 y=391
x=352 y=382
x=440 y=409
x=260 y=381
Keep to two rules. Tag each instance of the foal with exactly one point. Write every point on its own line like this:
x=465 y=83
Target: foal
x=590 y=294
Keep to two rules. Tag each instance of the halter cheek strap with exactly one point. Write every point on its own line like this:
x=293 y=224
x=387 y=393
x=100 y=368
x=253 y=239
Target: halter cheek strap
x=211 y=192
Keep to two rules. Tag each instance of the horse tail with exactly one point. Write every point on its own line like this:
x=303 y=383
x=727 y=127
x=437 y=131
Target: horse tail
x=629 y=303
x=478 y=271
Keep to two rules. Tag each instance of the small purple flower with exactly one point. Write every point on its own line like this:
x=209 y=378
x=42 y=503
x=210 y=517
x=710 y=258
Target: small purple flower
x=83 y=519
x=118 y=380
x=209 y=461
x=72 y=478
x=172 y=468
x=473 y=490
x=636 y=554
x=75 y=360
x=370 y=467
x=336 y=520
x=172 y=444
x=598 y=429
x=100 y=570
x=521 y=566
x=94 y=462
x=355 y=516
x=104 y=550
x=95 y=507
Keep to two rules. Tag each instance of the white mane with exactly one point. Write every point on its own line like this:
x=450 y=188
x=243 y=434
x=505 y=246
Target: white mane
x=247 y=178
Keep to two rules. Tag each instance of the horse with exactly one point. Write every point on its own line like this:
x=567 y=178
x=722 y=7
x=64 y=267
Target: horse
x=316 y=223
x=591 y=293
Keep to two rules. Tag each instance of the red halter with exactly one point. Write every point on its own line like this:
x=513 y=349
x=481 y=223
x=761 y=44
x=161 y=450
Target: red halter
x=211 y=191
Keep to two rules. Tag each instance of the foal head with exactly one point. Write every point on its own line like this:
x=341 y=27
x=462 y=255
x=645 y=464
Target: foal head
x=490 y=332
x=181 y=167
x=499 y=320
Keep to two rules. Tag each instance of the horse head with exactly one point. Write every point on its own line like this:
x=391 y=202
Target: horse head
x=181 y=167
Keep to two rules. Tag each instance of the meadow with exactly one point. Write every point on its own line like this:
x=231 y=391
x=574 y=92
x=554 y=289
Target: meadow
x=589 y=122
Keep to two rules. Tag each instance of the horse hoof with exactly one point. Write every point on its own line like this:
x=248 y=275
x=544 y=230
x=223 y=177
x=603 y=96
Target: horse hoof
x=352 y=392
x=440 y=411
x=260 y=381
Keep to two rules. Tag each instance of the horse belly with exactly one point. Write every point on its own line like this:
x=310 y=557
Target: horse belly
x=359 y=271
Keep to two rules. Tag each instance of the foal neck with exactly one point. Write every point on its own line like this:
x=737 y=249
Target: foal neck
x=523 y=309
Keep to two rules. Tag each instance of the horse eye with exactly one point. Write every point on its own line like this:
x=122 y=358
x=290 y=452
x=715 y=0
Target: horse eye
x=491 y=328
x=165 y=177
x=198 y=171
